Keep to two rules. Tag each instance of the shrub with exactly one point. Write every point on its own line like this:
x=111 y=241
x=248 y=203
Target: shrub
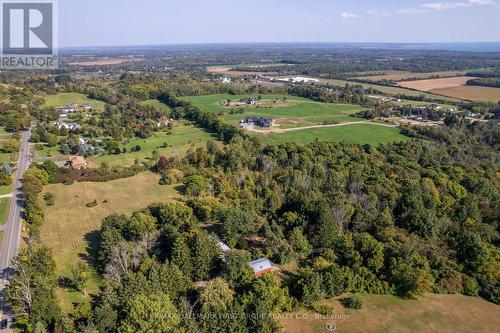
x=91 y=204
x=49 y=198
x=353 y=302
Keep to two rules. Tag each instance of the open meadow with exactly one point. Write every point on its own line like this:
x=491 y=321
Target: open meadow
x=62 y=99
x=289 y=113
x=389 y=314
x=70 y=227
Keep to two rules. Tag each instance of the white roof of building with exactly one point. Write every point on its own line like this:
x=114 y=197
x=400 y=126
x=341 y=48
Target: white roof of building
x=260 y=265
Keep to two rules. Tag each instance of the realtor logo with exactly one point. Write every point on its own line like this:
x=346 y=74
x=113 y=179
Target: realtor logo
x=28 y=34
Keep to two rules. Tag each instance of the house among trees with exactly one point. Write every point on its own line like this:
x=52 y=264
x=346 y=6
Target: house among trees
x=6 y=167
x=163 y=122
x=250 y=100
x=77 y=162
x=68 y=126
x=261 y=266
x=256 y=121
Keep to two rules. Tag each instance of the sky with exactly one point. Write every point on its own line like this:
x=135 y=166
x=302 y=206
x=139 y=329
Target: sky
x=155 y=22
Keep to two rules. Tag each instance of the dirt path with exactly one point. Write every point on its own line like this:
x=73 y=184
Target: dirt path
x=283 y=130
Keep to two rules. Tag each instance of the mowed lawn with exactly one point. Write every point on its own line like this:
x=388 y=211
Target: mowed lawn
x=70 y=228
x=355 y=133
x=294 y=112
x=389 y=314
x=4 y=209
x=178 y=142
x=65 y=98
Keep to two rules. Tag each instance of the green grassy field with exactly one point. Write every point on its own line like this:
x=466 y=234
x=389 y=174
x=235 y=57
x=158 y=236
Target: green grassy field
x=4 y=209
x=294 y=112
x=182 y=138
x=70 y=228
x=356 y=133
x=389 y=314
x=65 y=98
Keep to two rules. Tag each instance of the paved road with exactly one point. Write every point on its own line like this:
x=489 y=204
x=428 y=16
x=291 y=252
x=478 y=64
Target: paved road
x=12 y=227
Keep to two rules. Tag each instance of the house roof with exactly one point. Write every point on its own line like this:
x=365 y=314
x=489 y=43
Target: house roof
x=77 y=161
x=261 y=265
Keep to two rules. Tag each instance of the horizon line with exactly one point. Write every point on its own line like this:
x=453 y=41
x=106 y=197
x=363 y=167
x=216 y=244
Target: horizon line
x=268 y=43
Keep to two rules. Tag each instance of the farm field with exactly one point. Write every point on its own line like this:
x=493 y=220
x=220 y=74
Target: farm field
x=182 y=138
x=411 y=75
x=383 y=313
x=356 y=133
x=427 y=85
x=472 y=93
x=294 y=112
x=393 y=90
x=70 y=228
x=65 y=98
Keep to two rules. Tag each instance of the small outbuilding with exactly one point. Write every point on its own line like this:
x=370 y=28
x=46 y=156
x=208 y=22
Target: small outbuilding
x=261 y=266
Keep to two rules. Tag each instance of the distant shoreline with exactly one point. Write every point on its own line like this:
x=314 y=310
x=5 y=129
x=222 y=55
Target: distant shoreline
x=458 y=47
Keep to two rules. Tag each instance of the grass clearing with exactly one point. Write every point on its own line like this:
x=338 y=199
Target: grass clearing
x=70 y=228
x=289 y=113
x=356 y=133
x=6 y=189
x=383 y=313
x=65 y=98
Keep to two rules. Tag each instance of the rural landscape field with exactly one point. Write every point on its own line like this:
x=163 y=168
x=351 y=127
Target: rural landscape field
x=204 y=167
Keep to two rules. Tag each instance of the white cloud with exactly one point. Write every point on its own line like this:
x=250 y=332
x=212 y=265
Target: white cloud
x=346 y=15
x=432 y=6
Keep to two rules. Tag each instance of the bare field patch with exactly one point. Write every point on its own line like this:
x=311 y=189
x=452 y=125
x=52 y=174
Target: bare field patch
x=431 y=313
x=428 y=85
x=472 y=93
